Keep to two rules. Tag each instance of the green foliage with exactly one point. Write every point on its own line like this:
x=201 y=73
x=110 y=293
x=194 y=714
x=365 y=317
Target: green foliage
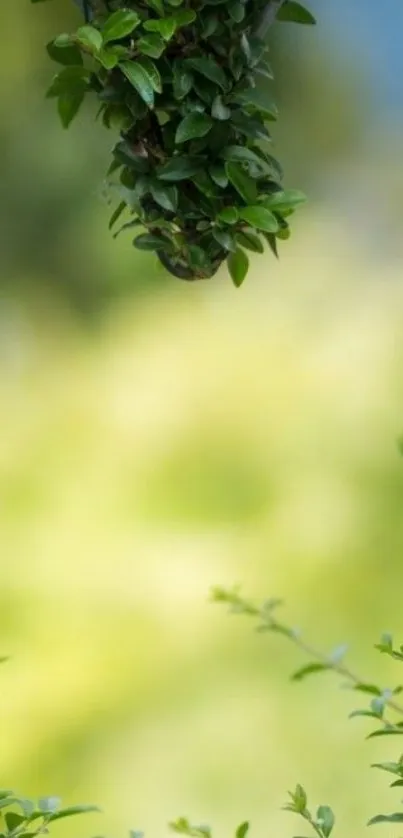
x=382 y=707
x=26 y=818
x=179 y=79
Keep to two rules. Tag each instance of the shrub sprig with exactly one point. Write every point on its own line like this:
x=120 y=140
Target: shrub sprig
x=181 y=81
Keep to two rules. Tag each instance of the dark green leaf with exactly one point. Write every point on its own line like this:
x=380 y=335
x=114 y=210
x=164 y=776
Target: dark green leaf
x=165 y=196
x=285 y=200
x=263 y=219
x=13 y=820
x=229 y=215
x=184 y=17
x=147 y=241
x=119 y=25
x=310 y=668
x=218 y=175
x=254 y=98
x=386 y=731
x=238 y=264
x=68 y=55
x=241 y=181
x=71 y=80
x=225 y=239
x=242 y=830
x=152 y=72
x=372 y=689
x=152 y=45
x=180 y=168
x=117 y=213
x=182 y=81
x=69 y=811
x=294 y=12
x=397 y=817
x=68 y=105
x=210 y=69
x=236 y=11
x=130 y=157
x=250 y=241
x=391 y=767
x=140 y=80
x=193 y=125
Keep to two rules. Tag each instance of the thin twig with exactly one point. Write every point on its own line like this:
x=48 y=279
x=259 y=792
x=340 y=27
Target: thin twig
x=339 y=668
x=267 y=622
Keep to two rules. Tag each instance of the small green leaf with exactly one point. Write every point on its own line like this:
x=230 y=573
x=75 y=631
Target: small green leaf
x=236 y=11
x=219 y=110
x=250 y=241
x=68 y=105
x=225 y=239
x=13 y=820
x=299 y=798
x=117 y=213
x=164 y=26
x=388 y=730
x=107 y=58
x=397 y=817
x=241 y=181
x=129 y=156
x=67 y=54
x=90 y=38
x=238 y=264
x=294 y=12
x=262 y=219
x=193 y=125
x=182 y=81
x=152 y=72
x=71 y=80
x=254 y=98
x=152 y=45
x=119 y=25
x=208 y=68
x=309 y=669
x=140 y=80
x=391 y=767
x=70 y=811
x=372 y=689
x=325 y=818
x=218 y=175
x=285 y=200
x=180 y=168
x=184 y=17
x=147 y=241
x=242 y=830
x=165 y=196
x=229 y=215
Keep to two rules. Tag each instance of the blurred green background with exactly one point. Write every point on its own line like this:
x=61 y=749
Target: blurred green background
x=157 y=438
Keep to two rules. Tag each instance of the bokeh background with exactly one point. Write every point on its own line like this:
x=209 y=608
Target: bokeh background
x=157 y=438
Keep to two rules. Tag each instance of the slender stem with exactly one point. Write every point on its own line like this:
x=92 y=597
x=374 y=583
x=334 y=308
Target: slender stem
x=340 y=668
x=267 y=18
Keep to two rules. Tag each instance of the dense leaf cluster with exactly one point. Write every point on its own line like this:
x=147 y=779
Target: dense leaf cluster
x=181 y=80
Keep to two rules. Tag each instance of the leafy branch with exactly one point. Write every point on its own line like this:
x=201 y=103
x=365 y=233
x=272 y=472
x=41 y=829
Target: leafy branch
x=319 y=662
x=381 y=699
